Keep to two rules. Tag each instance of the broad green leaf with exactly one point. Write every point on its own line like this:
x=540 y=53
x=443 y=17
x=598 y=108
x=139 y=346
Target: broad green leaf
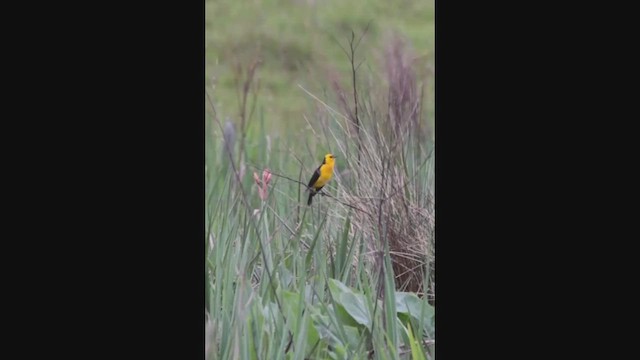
x=343 y=316
x=410 y=303
x=419 y=309
x=354 y=303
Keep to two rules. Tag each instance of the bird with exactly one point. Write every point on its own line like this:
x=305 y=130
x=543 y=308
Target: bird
x=321 y=176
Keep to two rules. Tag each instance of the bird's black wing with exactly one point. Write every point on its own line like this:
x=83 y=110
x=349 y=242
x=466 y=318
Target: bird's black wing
x=314 y=178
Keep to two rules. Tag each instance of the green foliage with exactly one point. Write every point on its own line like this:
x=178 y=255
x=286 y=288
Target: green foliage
x=273 y=294
x=350 y=304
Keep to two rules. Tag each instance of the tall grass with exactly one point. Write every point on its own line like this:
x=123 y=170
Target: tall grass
x=350 y=277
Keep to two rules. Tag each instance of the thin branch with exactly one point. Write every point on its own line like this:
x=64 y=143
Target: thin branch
x=343 y=203
x=281 y=220
x=320 y=192
x=323 y=103
x=338 y=42
x=279 y=175
x=366 y=29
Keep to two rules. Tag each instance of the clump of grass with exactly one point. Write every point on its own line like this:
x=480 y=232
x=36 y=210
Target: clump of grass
x=389 y=180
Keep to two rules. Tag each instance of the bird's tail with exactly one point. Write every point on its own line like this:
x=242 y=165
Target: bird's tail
x=311 y=193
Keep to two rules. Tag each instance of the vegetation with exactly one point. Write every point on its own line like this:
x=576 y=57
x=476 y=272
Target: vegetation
x=352 y=276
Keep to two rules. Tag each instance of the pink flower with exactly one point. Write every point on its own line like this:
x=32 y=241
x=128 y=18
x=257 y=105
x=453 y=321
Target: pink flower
x=263 y=184
x=266 y=176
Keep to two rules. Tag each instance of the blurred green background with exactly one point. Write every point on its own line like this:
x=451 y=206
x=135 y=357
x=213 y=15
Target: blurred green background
x=296 y=42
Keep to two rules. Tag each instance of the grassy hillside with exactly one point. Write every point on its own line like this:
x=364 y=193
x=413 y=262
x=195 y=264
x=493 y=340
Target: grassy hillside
x=296 y=43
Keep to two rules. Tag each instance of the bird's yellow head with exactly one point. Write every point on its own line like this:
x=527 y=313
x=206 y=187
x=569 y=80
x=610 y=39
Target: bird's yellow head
x=329 y=159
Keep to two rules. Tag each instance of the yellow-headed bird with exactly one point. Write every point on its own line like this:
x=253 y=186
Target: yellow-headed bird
x=321 y=176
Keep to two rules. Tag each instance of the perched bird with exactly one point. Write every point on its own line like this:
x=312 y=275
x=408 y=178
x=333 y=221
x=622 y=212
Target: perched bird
x=321 y=176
